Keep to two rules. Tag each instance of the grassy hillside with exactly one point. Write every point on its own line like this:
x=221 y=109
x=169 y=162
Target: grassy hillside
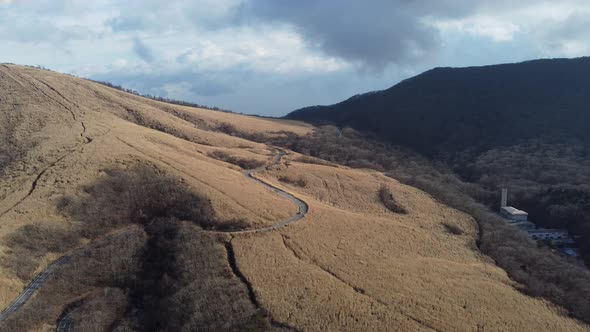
x=525 y=126
x=134 y=192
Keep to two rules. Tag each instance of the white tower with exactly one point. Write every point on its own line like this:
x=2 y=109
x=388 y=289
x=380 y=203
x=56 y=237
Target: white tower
x=504 y=201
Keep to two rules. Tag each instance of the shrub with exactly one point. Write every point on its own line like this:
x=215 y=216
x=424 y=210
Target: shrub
x=389 y=201
x=452 y=228
x=30 y=243
x=137 y=195
x=313 y=160
x=44 y=237
x=4 y=160
x=241 y=162
x=300 y=181
x=231 y=225
x=227 y=128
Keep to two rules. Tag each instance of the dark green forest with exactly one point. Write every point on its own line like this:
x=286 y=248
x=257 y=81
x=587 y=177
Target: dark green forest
x=525 y=126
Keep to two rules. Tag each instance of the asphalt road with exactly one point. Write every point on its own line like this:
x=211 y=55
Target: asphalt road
x=39 y=280
x=303 y=207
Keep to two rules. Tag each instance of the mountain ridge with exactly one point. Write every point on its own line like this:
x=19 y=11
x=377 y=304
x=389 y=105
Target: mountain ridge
x=423 y=112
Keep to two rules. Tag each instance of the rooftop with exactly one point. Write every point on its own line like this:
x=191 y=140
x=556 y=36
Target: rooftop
x=514 y=211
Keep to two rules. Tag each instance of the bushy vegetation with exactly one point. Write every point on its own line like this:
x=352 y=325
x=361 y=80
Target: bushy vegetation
x=299 y=181
x=135 y=196
x=5 y=159
x=386 y=197
x=30 y=243
x=313 y=160
x=147 y=259
x=452 y=228
x=101 y=272
x=185 y=284
x=243 y=163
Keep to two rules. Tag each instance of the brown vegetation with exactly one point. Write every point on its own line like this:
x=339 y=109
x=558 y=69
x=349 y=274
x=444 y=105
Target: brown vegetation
x=313 y=160
x=108 y=263
x=136 y=195
x=157 y=267
x=389 y=201
x=452 y=228
x=178 y=262
x=300 y=181
x=241 y=162
x=31 y=243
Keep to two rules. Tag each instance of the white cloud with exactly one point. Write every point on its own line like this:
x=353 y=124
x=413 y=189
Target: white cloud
x=263 y=50
x=574 y=48
x=120 y=64
x=180 y=90
x=496 y=29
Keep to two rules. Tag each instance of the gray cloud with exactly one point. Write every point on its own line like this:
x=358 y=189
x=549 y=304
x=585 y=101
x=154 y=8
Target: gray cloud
x=383 y=32
x=142 y=51
x=376 y=34
x=576 y=26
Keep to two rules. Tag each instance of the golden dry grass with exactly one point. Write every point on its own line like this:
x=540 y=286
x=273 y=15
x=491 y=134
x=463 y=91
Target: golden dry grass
x=350 y=264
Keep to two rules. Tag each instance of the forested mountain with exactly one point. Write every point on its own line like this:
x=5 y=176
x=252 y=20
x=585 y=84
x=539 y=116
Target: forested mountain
x=524 y=125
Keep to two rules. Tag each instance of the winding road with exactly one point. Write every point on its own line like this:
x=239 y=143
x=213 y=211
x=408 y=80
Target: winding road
x=65 y=323
x=303 y=207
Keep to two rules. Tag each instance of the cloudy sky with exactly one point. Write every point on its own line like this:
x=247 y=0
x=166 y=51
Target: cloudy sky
x=273 y=56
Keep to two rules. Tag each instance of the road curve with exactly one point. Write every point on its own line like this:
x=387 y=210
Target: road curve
x=66 y=323
x=303 y=207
